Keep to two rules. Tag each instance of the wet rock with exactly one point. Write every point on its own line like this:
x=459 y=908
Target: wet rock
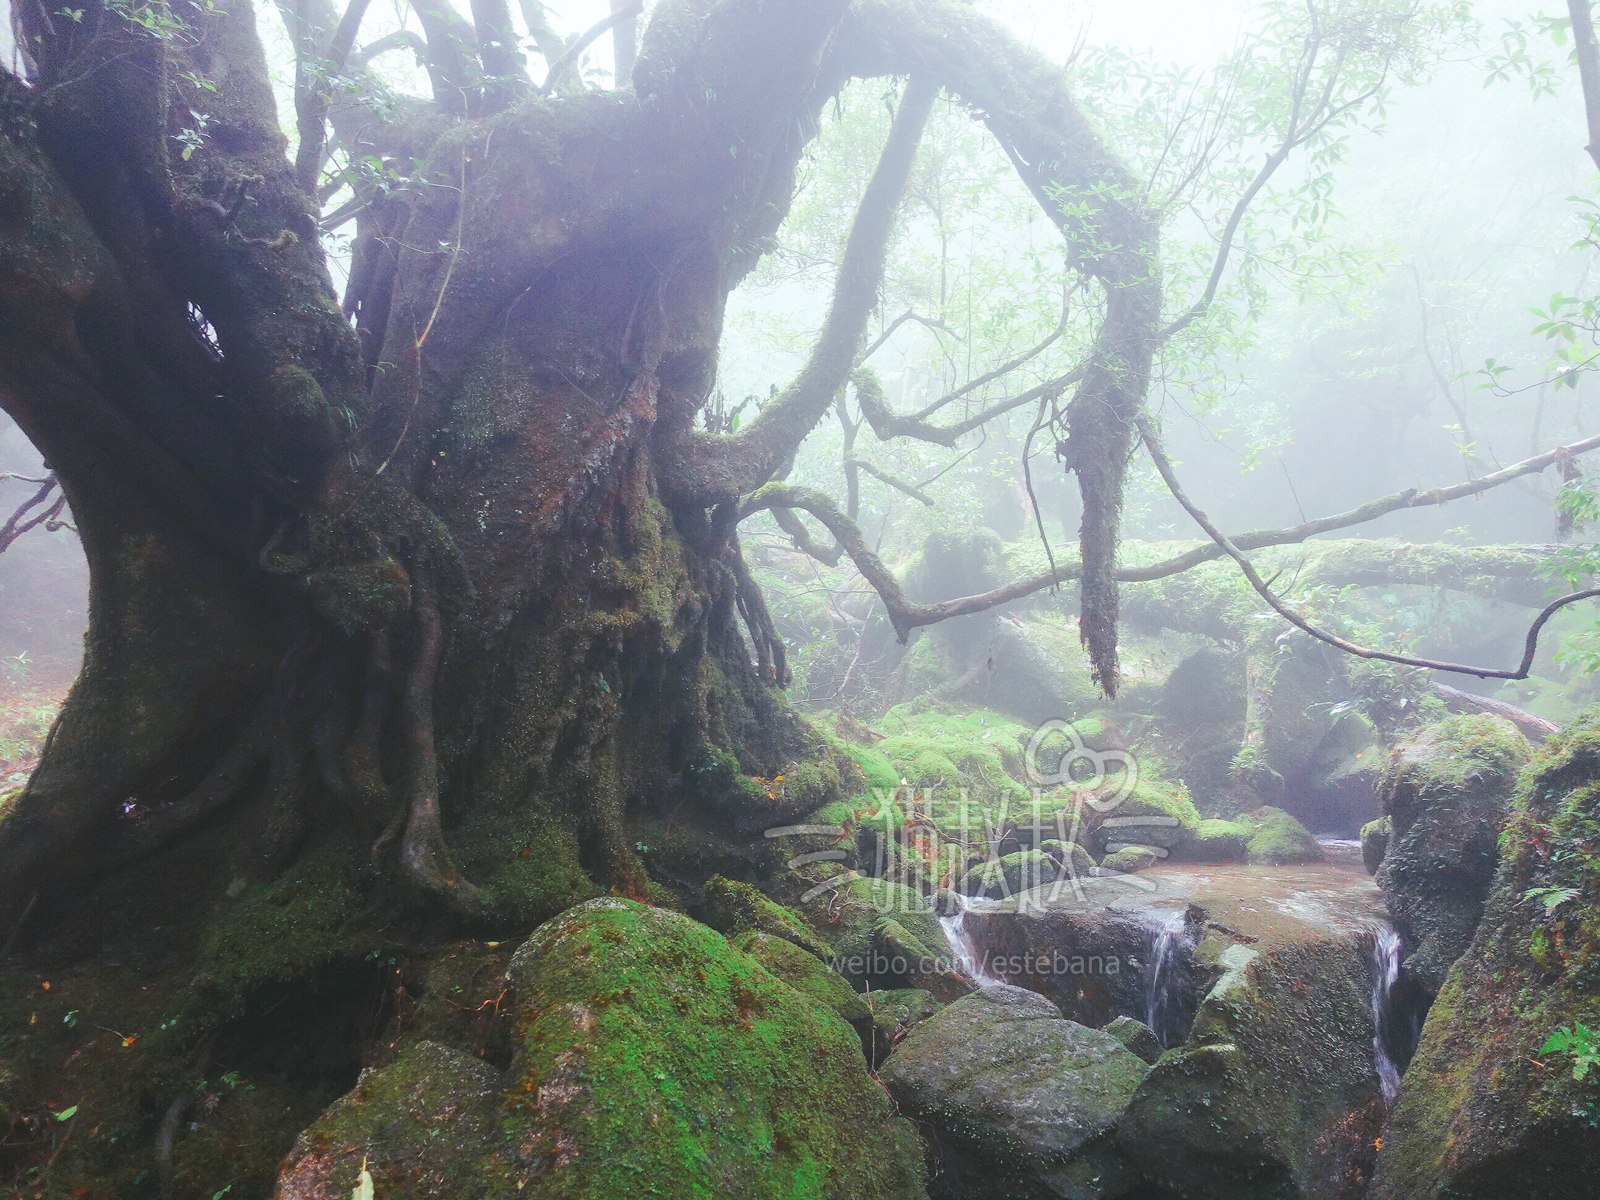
x=1127 y=859
x=1278 y=840
x=1483 y=1111
x=1374 y=843
x=652 y=1057
x=1277 y=1075
x=421 y=1125
x=1265 y=995
x=1446 y=793
x=1016 y=1097
x=1136 y=1036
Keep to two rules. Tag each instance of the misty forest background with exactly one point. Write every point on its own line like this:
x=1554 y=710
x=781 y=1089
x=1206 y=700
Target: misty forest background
x=1384 y=324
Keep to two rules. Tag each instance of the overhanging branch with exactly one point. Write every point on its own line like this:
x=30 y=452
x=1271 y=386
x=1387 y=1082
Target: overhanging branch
x=1163 y=464
x=907 y=616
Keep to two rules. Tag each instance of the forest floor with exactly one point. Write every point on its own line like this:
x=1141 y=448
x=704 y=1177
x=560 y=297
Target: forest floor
x=29 y=701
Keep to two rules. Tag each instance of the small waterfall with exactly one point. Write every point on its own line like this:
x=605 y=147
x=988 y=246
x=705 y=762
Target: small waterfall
x=1385 y=972
x=960 y=938
x=1170 y=939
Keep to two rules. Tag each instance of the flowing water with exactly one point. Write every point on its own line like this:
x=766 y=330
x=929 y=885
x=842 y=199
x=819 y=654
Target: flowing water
x=966 y=951
x=1385 y=972
x=1171 y=938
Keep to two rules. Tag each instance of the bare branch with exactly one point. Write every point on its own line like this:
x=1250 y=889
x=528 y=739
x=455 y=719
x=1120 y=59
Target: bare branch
x=999 y=372
x=898 y=484
x=1164 y=466
x=314 y=90
x=20 y=522
x=907 y=616
x=888 y=424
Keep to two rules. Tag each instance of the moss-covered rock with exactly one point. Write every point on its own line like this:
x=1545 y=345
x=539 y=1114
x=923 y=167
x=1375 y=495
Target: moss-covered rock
x=1016 y=1097
x=1151 y=814
x=1136 y=1036
x=1446 y=791
x=1278 y=840
x=1128 y=859
x=812 y=977
x=422 y=1126
x=655 y=1057
x=731 y=907
x=1216 y=841
x=1074 y=861
x=1483 y=1111
x=1375 y=843
x=1019 y=872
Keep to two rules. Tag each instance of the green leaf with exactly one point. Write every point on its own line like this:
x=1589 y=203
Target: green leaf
x=66 y=1114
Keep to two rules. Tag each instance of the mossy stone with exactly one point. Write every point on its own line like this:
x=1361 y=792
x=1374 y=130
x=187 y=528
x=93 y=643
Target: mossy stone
x=1375 y=843
x=1216 y=841
x=1483 y=1112
x=422 y=1126
x=1128 y=860
x=1278 y=840
x=731 y=907
x=654 y=1057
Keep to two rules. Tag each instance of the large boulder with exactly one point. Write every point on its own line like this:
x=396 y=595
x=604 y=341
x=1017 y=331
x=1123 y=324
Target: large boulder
x=1277 y=839
x=1260 y=982
x=1446 y=791
x=1017 y=1099
x=1484 y=1111
x=810 y=976
x=652 y=1058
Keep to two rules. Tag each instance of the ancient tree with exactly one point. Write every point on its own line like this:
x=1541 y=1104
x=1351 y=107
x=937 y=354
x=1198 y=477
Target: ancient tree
x=445 y=571
x=452 y=551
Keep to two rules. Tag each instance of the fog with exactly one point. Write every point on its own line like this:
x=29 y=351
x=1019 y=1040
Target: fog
x=1455 y=212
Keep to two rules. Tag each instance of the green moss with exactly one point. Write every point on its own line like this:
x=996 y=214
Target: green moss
x=655 y=1058
x=804 y=972
x=731 y=908
x=1375 y=842
x=1481 y=1102
x=280 y=930
x=1216 y=841
x=1128 y=860
x=877 y=772
x=439 y=1148
x=525 y=857
x=1278 y=840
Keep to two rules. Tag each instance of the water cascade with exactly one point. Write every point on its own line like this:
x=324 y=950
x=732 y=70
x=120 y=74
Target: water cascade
x=1385 y=973
x=1161 y=1011
x=959 y=937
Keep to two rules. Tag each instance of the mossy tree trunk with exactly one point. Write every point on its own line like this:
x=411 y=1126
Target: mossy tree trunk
x=449 y=555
